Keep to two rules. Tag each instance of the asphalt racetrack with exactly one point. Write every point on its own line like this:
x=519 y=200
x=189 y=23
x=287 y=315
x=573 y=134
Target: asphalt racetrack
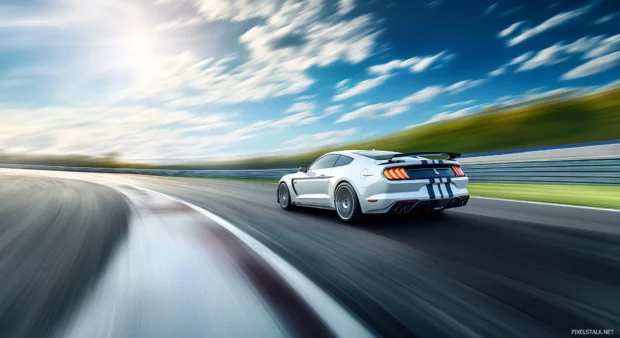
x=56 y=235
x=491 y=269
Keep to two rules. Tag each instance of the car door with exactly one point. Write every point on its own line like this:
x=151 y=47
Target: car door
x=311 y=188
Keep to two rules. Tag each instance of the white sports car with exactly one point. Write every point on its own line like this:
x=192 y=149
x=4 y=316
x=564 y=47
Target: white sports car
x=356 y=182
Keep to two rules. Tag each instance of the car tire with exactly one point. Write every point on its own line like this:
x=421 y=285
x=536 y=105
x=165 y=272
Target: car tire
x=347 y=204
x=284 y=197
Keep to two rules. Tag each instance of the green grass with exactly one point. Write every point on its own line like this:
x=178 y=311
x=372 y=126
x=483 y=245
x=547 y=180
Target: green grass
x=602 y=196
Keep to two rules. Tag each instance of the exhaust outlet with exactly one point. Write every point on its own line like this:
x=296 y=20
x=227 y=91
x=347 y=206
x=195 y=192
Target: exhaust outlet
x=429 y=207
x=454 y=203
x=398 y=210
x=406 y=209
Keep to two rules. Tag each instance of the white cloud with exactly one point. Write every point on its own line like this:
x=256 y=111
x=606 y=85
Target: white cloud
x=590 y=47
x=361 y=87
x=393 y=108
x=424 y=95
x=510 y=29
x=447 y=116
x=387 y=68
x=605 y=46
x=606 y=18
x=415 y=64
x=534 y=94
x=520 y=59
x=299 y=119
x=373 y=111
x=179 y=24
x=321 y=139
x=341 y=84
x=585 y=44
x=433 y=4
x=546 y=57
x=425 y=62
x=465 y=85
x=456 y=104
x=363 y=112
x=360 y=104
x=333 y=109
x=303 y=106
x=137 y=132
x=236 y=10
x=289 y=38
x=594 y=66
x=490 y=9
x=345 y=6
x=293 y=38
x=213 y=81
x=554 y=21
x=499 y=71
x=30 y=23
x=295 y=120
x=504 y=68
x=305 y=97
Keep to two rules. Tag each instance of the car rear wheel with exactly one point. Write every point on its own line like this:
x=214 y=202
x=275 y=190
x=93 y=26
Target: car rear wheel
x=347 y=204
x=284 y=197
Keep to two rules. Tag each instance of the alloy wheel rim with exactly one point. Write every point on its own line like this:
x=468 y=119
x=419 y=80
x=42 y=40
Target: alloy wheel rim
x=344 y=202
x=283 y=196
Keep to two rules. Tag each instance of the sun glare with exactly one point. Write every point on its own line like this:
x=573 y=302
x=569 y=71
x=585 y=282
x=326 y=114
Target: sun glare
x=137 y=49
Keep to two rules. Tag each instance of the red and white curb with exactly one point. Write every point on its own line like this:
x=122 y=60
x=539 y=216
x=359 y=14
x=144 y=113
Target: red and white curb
x=174 y=238
x=335 y=317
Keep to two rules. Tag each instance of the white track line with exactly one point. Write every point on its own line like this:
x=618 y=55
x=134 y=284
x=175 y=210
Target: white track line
x=547 y=204
x=340 y=321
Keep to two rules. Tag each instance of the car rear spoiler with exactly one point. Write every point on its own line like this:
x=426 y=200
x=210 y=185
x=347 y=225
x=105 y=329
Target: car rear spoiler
x=450 y=156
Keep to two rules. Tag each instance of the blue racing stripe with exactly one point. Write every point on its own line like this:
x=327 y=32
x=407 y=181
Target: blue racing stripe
x=429 y=188
x=439 y=187
x=449 y=187
x=424 y=162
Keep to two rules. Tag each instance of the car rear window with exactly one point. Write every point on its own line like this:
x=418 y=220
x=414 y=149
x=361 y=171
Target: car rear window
x=343 y=160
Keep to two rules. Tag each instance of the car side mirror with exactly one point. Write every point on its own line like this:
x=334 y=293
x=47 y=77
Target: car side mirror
x=302 y=169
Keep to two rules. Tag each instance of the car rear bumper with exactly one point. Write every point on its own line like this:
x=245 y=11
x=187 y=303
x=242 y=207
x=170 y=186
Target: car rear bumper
x=429 y=205
x=419 y=197
x=407 y=206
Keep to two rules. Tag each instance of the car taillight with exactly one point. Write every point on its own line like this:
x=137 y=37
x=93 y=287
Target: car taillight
x=458 y=171
x=395 y=174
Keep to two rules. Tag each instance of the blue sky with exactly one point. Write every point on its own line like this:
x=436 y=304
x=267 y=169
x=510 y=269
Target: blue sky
x=193 y=79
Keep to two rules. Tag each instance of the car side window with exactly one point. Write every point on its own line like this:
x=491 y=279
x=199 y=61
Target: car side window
x=324 y=162
x=343 y=160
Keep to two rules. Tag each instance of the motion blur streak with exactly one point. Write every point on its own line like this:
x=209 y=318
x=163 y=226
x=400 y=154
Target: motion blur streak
x=179 y=273
x=173 y=277
x=55 y=238
x=492 y=269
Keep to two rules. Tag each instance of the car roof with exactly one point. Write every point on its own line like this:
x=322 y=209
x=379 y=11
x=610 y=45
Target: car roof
x=362 y=153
